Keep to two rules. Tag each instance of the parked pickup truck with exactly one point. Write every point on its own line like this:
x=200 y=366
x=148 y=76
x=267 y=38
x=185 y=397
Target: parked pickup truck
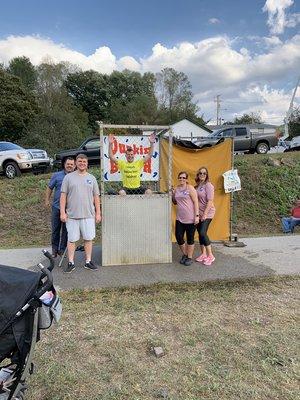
x=15 y=159
x=247 y=138
x=90 y=147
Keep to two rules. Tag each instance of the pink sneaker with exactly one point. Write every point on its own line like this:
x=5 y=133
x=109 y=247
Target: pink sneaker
x=209 y=260
x=201 y=258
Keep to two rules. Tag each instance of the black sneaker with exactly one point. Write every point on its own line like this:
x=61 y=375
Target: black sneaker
x=91 y=266
x=70 y=268
x=188 y=262
x=183 y=258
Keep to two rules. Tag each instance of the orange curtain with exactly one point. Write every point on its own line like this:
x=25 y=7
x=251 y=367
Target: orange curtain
x=217 y=159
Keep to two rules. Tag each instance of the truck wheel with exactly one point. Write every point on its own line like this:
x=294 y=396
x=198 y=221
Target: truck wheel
x=12 y=170
x=262 y=148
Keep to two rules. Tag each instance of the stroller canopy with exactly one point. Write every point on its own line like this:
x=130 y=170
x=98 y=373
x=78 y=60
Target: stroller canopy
x=17 y=286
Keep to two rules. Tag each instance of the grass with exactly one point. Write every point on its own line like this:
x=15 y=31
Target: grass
x=221 y=341
x=267 y=193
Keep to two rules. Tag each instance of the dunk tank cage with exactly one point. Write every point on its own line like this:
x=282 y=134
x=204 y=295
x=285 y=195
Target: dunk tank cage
x=135 y=228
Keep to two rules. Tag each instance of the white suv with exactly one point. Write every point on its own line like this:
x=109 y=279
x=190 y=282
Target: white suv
x=15 y=159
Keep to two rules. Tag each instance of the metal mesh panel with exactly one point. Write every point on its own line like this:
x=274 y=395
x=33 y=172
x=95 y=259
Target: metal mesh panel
x=136 y=230
x=136 y=210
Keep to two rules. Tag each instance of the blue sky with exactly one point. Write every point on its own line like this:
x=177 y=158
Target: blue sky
x=131 y=27
x=106 y=35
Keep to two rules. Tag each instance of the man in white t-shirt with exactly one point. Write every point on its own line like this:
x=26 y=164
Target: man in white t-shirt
x=80 y=209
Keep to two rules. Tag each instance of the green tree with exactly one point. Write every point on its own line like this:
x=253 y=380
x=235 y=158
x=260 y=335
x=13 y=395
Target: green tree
x=126 y=85
x=294 y=123
x=61 y=124
x=24 y=69
x=142 y=109
x=89 y=90
x=18 y=107
x=252 y=118
x=118 y=98
x=132 y=97
x=175 y=96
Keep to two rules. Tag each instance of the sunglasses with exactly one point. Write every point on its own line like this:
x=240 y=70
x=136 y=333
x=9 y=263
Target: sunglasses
x=182 y=177
x=202 y=173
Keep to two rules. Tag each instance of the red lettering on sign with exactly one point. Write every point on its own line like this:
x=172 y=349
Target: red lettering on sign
x=113 y=167
x=135 y=150
x=147 y=167
x=114 y=147
x=122 y=148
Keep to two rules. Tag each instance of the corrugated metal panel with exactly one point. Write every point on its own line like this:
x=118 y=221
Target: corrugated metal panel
x=136 y=229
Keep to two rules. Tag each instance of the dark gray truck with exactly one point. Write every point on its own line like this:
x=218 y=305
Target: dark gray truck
x=247 y=138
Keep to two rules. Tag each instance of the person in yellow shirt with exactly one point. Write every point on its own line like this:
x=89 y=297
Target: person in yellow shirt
x=131 y=169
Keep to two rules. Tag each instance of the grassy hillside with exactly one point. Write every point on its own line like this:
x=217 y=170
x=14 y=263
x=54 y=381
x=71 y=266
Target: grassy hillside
x=267 y=192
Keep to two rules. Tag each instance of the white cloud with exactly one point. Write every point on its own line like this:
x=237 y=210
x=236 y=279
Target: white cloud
x=214 y=21
x=272 y=41
x=128 y=63
x=278 y=18
x=37 y=49
x=213 y=66
x=271 y=104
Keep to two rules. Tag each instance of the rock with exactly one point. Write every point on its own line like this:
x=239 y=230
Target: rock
x=273 y=162
x=287 y=162
x=162 y=393
x=158 y=351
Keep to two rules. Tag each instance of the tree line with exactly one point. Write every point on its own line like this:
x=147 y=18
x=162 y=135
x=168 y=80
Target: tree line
x=55 y=106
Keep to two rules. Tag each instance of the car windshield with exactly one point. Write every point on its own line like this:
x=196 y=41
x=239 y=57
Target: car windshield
x=295 y=141
x=4 y=146
x=215 y=133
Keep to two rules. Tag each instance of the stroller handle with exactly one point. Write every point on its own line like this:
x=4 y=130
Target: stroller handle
x=47 y=284
x=50 y=258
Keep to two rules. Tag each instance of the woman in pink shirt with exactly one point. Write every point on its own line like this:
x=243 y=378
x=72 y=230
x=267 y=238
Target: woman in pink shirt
x=205 y=192
x=187 y=217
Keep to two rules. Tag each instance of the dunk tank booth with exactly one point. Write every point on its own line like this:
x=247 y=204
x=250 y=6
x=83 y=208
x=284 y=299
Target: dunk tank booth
x=136 y=228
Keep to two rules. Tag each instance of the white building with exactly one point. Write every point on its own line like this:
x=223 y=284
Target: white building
x=187 y=130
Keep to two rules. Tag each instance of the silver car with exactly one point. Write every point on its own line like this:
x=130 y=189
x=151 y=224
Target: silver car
x=14 y=160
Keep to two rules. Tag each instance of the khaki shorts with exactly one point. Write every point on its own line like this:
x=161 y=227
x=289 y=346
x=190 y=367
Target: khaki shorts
x=83 y=226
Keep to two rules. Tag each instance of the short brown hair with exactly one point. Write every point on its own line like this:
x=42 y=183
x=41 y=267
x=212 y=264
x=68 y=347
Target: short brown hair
x=81 y=155
x=183 y=172
x=68 y=159
x=129 y=149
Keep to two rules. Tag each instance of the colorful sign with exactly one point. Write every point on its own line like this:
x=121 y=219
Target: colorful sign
x=232 y=182
x=141 y=147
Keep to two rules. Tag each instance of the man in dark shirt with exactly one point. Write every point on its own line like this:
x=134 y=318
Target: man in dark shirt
x=59 y=232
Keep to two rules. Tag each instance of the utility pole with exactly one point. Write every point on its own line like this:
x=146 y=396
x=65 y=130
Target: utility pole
x=290 y=111
x=218 y=101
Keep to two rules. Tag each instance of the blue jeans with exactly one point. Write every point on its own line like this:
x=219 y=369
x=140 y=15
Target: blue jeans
x=289 y=223
x=59 y=235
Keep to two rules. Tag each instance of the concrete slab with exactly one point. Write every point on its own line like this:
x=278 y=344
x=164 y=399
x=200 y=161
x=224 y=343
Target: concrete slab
x=265 y=256
x=280 y=253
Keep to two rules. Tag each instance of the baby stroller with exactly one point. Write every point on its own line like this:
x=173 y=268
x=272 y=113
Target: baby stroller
x=28 y=303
